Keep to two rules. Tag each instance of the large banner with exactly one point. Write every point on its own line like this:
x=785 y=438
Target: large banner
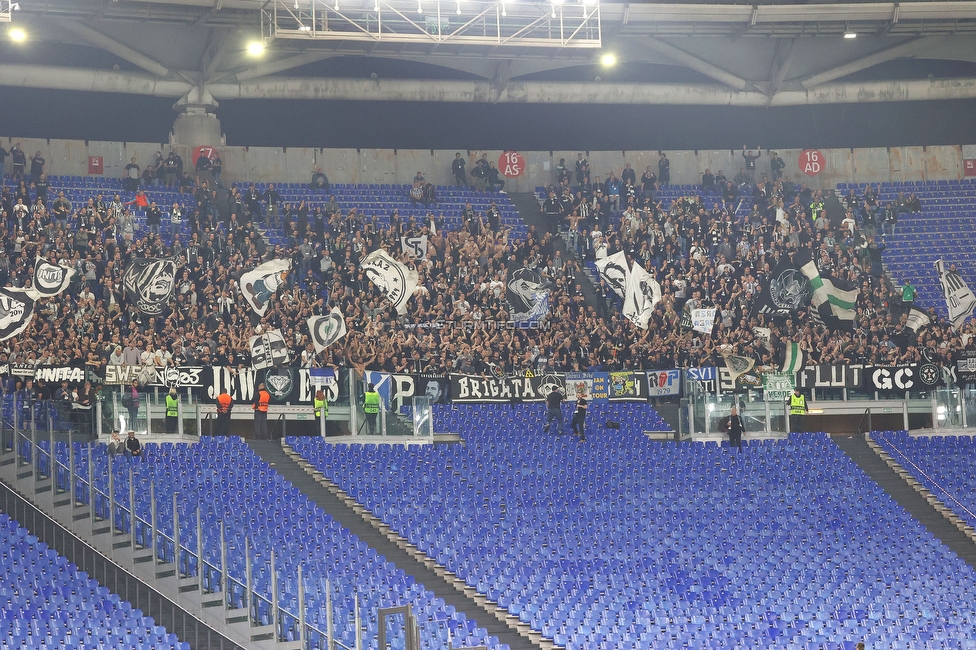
x=326 y=330
x=149 y=283
x=959 y=298
x=261 y=283
x=594 y=386
x=285 y=385
x=396 y=281
x=664 y=382
x=830 y=377
x=527 y=295
x=268 y=349
x=615 y=272
x=965 y=366
x=478 y=388
x=901 y=378
x=168 y=376
x=405 y=387
x=786 y=291
x=627 y=386
x=16 y=311
x=50 y=279
x=640 y=296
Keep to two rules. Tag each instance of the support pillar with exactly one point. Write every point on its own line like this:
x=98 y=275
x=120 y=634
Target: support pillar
x=197 y=124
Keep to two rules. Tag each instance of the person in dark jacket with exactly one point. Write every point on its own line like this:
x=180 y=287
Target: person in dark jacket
x=735 y=429
x=554 y=411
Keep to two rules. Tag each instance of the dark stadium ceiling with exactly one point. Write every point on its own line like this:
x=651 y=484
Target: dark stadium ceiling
x=760 y=53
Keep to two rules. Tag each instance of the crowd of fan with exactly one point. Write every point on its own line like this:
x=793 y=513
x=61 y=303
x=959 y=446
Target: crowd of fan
x=697 y=247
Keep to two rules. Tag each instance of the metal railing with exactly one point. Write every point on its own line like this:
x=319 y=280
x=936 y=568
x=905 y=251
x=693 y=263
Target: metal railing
x=866 y=414
x=935 y=484
x=185 y=539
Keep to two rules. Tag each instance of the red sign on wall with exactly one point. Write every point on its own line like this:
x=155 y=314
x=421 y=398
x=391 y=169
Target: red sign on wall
x=969 y=167
x=812 y=162
x=206 y=150
x=95 y=166
x=511 y=164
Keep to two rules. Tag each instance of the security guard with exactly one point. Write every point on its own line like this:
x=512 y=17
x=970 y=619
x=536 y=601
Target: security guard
x=798 y=408
x=371 y=406
x=225 y=403
x=260 y=407
x=320 y=404
x=172 y=411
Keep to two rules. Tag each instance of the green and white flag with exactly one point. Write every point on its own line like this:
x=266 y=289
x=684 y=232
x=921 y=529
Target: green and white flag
x=794 y=359
x=835 y=299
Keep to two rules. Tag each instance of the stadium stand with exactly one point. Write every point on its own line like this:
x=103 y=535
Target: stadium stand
x=943 y=229
x=943 y=464
x=653 y=558
x=261 y=512
x=48 y=602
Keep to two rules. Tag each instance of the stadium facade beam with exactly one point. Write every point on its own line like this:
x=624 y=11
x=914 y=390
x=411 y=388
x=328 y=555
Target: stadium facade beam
x=110 y=44
x=904 y=48
x=688 y=60
x=64 y=78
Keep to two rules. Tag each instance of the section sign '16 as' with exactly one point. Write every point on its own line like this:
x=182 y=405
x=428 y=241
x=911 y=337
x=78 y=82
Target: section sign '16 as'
x=511 y=164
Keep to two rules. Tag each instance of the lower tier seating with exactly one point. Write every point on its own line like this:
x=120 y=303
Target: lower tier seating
x=620 y=542
x=48 y=603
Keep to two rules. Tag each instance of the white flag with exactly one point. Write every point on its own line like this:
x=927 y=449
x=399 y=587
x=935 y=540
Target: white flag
x=917 y=319
x=49 y=279
x=702 y=320
x=326 y=330
x=268 y=350
x=415 y=246
x=261 y=283
x=613 y=271
x=395 y=280
x=642 y=294
x=958 y=296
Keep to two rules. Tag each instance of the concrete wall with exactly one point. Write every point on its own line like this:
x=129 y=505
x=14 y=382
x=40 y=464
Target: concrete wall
x=392 y=166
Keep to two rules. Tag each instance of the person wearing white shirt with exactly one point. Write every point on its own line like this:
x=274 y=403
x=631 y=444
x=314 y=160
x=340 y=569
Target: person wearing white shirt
x=116 y=358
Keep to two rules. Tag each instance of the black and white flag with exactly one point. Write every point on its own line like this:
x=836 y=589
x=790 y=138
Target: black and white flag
x=396 y=281
x=917 y=319
x=268 y=350
x=326 y=330
x=958 y=296
x=149 y=283
x=50 y=279
x=261 y=283
x=615 y=272
x=641 y=296
x=16 y=311
x=527 y=294
x=785 y=291
x=415 y=246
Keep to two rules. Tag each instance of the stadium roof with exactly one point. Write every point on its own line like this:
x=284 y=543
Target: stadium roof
x=769 y=54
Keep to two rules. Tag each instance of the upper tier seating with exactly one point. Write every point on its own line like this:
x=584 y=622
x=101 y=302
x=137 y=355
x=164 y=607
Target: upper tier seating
x=943 y=464
x=945 y=229
x=261 y=512
x=379 y=200
x=49 y=603
x=620 y=542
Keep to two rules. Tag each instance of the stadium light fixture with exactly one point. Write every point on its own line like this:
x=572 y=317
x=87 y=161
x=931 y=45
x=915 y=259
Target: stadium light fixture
x=255 y=49
x=420 y=7
x=459 y=8
x=608 y=60
x=17 y=34
x=849 y=34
